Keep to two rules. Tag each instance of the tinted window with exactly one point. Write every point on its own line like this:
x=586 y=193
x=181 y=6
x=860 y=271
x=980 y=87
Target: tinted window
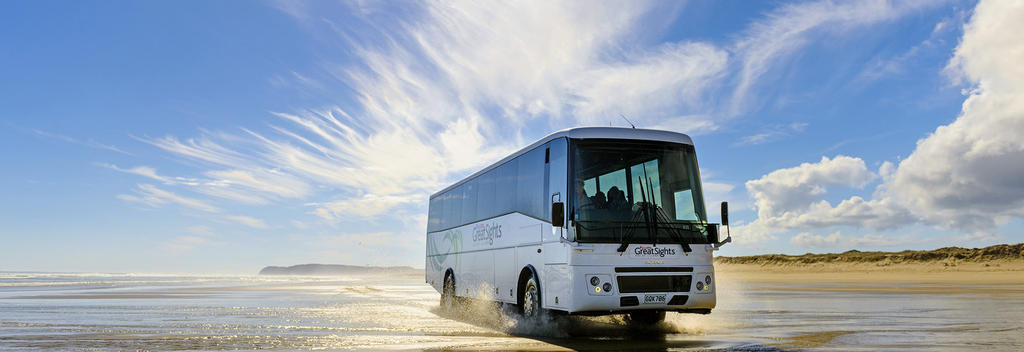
x=530 y=183
x=448 y=218
x=434 y=215
x=469 y=190
x=505 y=187
x=485 y=202
x=459 y=198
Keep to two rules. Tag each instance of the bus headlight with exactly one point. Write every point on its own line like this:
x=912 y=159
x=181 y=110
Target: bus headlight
x=702 y=286
x=600 y=284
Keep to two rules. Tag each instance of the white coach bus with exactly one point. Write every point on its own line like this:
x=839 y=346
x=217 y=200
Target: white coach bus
x=588 y=221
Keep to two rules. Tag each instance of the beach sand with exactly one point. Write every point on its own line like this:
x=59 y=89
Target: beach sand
x=810 y=306
x=935 y=274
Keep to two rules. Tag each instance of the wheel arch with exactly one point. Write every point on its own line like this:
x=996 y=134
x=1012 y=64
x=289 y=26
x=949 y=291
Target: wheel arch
x=524 y=275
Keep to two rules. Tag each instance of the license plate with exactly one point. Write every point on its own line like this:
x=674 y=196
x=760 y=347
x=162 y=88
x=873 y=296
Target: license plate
x=654 y=299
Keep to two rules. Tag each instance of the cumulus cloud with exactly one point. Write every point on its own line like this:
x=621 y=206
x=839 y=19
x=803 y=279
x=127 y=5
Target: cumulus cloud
x=808 y=240
x=968 y=173
x=964 y=176
x=786 y=190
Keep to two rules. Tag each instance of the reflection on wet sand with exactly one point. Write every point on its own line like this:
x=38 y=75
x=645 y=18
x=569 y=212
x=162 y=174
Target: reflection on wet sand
x=402 y=314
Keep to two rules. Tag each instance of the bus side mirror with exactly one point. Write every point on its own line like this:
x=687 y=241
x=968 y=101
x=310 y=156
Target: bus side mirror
x=725 y=213
x=558 y=214
x=725 y=223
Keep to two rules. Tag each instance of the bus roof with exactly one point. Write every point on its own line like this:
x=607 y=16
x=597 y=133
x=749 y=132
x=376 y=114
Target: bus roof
x=585 y=133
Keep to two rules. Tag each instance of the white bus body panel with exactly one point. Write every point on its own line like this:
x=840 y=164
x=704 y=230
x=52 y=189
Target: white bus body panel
x=486 y=256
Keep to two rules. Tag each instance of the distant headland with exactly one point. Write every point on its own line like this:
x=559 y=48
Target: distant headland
x=337 y=269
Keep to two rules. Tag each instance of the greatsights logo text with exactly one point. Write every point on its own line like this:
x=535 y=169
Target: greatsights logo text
x=647 y=251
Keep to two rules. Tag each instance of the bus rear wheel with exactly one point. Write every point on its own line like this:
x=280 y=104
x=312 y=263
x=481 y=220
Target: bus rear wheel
x=448 y=300
x=531 y=298
x=647 y=317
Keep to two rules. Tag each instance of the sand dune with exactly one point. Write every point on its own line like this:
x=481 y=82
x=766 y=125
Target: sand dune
x=994 y=265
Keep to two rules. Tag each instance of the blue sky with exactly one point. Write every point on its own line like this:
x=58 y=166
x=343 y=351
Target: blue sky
x=197 y=136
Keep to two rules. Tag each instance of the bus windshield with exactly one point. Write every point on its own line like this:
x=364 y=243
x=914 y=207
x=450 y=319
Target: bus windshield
x=636 y=191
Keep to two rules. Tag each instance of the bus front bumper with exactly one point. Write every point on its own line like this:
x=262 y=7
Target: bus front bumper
x=622 y=292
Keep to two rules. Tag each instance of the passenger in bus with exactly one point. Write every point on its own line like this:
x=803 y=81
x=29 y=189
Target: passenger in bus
x=600 y=201
x=583 y=201
x=617 y=199
x=618 y=206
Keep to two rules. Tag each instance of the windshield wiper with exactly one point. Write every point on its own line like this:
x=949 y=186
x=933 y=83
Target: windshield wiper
x=659 y=212
x=646 y=217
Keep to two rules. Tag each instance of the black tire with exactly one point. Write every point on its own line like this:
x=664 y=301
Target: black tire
x=530 y=307
x=448 y=300
x=647 y=317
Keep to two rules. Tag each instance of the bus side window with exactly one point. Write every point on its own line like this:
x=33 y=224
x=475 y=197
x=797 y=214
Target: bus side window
x=434 y=214
x=505 y=187
x=469 y=194
x=530 y=184
x=486 y=204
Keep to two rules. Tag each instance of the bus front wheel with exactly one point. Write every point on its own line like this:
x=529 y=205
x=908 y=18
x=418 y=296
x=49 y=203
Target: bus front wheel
x=531 y=298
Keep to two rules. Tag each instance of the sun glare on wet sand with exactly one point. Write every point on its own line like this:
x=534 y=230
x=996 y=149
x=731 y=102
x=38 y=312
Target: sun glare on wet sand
x=757 y=311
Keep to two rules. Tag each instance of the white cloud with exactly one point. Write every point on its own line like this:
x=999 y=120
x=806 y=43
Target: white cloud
x=144 y=171
x=787 y=29
x=155 y=197
x=794 y=189
x=366 y=206
x=966 y=175
x=255 y=186
x=448 y=92
x=808 y=240
x=715 y=193
x=248 y=221
x=460 y=84
x=773 y=133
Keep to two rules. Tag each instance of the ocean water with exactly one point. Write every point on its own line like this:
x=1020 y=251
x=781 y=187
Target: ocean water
x=99 y=312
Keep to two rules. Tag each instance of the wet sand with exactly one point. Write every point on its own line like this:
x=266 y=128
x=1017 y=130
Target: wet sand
x=759 y=310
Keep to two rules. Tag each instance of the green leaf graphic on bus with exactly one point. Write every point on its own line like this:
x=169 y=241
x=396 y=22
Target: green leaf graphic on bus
x=454 y=240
